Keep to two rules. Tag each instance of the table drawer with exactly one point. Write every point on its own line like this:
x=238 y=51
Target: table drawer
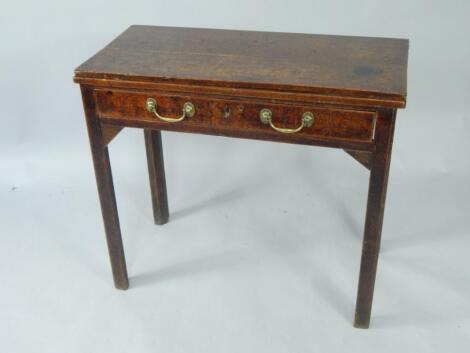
x=222 y=116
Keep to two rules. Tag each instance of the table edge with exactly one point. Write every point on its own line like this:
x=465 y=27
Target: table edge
x=330 y=95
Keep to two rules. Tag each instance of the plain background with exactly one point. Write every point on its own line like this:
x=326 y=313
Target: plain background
x=262 y=250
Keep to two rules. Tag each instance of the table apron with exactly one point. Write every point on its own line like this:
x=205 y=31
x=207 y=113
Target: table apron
x=230 y=132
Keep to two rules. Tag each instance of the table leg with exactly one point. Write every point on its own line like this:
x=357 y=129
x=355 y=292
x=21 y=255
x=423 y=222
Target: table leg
x=104 y=181
x=374 y=216
x=153 y=145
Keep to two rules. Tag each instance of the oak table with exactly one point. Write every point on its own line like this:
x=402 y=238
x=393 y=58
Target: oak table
x=320 y=90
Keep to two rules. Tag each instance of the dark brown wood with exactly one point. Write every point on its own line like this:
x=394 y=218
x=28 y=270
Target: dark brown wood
x=380 y=167
x=325 y=64
x=256 y=135
x=362 y=157
x=228 y=116
x=352 y=85
x=104 y=181
x=109 y=132
x=153 y=145
x=290 y=96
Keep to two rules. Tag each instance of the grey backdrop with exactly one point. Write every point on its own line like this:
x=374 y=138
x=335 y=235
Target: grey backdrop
x=263 y=247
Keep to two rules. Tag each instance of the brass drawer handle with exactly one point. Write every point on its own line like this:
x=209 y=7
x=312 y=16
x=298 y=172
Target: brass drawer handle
x=266 y=115
x=188 y=111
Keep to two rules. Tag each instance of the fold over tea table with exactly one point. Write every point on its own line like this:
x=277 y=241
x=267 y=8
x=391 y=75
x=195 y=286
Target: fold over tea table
x=320 y=90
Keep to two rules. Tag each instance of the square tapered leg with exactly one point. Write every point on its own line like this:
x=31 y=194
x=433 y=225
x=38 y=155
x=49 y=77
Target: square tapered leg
x=104 y=181
x=374 y=216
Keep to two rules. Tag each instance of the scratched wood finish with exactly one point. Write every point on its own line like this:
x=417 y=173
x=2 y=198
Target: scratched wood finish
x=353 y=85
x=336 y=65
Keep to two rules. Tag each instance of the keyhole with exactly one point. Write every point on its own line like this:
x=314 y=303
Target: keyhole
x=226 y=112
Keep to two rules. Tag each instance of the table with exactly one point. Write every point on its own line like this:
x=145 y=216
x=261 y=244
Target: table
x=320 y=90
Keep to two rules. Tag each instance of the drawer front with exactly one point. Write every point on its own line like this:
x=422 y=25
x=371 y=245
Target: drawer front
x=237 y=117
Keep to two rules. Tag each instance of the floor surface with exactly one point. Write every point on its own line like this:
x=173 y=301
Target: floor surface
x=261 y=253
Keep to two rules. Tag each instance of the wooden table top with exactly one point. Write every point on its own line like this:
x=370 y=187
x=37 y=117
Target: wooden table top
x=321 y=64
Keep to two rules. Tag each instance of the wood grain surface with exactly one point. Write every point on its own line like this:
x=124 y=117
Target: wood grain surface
x=322 y=64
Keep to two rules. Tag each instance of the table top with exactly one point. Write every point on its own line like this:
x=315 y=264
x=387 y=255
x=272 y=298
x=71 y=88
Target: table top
x=321 y=64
